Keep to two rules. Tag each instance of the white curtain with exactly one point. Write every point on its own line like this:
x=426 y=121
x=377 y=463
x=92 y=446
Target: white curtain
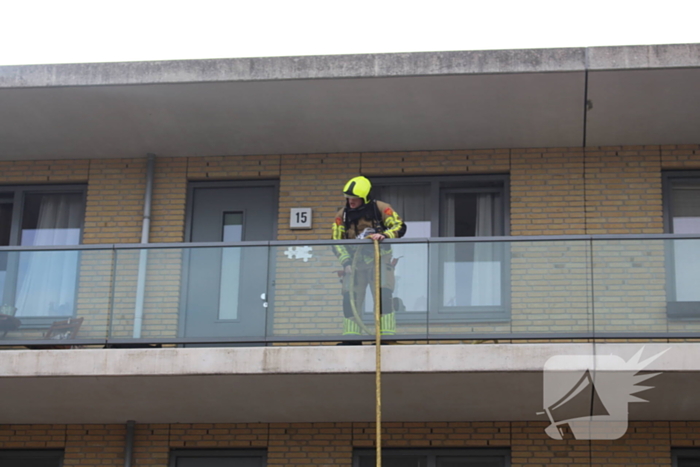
x=47 y=279
x=486 y=276
x=412 y=203
x=450 y=280
x=471 y=272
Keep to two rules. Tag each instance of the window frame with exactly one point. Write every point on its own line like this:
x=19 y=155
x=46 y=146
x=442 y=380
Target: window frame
x=19 y=193
x=438 y=185
x=439 y=182
x=677 y=454
x=432 y=454
x=675 y=309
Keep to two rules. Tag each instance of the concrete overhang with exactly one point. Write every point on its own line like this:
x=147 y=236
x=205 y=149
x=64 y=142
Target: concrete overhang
x=497 y=382
x=357 y=103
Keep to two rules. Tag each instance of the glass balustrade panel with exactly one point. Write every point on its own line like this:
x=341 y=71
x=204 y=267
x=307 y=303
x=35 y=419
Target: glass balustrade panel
x=195 y=294
x=56 y=295
x=514 y=289
x=313 y=297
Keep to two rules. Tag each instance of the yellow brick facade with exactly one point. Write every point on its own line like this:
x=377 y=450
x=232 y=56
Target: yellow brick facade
x=318 y=444
x=547 y=194
x=553 y=191
x=114 y=207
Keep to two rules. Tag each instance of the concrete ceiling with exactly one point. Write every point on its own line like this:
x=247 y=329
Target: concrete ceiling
x=304 y=116
x=643 y=107
x=363 y=103
x=318 y=384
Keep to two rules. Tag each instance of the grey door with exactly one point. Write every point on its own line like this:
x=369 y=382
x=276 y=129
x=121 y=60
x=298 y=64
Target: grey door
x=225 y=284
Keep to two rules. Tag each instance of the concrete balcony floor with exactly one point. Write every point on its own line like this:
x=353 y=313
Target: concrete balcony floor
x=496 y=382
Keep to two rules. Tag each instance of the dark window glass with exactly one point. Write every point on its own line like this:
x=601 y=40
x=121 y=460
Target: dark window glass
x=5 y=223
x=412 y=202
x=467 y=208
x=52 y=219
x=686 y=458
x=36 y=284
x=469 y=214
x=5 y=230
x=233 y=227
x=469 y=462
x=683 y=217
x=442 y=458
x=225 y=458
x=395 y=461
x=31 y=458
x=685 y=206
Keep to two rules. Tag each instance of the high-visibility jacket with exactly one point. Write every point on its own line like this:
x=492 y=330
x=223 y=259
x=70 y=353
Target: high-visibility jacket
x=376 y=215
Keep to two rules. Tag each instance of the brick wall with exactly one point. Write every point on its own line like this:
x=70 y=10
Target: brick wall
x=314 y=444
x=169 y=200
x=312 y=181
x=435 y=162
x=43 y=172
x=554 y=191
x=114 y=208
x=233 y=168
x=550 y=287
x=306 y=444
x=623 y=190
x=547 y=193
x=83 y=445
x=680 y=157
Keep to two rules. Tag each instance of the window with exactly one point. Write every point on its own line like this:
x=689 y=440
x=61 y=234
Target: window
x=434 y=458
x=469 y=277
x=682 y=206
x=686 y=458
x=36 y=284
x=23 y=458
x=217 y=458
x=447 y=206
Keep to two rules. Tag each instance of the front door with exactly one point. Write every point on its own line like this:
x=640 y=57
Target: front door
x=226 y=286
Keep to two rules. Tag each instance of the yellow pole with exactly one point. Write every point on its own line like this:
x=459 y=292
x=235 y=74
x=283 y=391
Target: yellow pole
x=378 y=351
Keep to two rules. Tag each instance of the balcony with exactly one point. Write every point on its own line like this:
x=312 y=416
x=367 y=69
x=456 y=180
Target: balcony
x=233 y=316
x=506 y=288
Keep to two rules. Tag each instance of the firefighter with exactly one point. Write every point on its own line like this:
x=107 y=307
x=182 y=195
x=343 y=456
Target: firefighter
x=363 y=217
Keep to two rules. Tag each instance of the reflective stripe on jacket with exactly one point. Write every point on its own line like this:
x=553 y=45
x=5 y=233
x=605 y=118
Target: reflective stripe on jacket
x=390 y=225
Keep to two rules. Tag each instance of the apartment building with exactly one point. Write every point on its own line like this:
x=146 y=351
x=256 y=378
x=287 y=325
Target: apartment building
x=169 y=295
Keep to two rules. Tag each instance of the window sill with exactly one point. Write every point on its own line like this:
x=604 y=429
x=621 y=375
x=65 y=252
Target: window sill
x=683 y=310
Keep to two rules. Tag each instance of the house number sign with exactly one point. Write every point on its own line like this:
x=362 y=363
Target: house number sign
x=300 y=218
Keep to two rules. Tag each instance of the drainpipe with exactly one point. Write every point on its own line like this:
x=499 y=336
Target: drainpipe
x=129 y=447
x=143 y=254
